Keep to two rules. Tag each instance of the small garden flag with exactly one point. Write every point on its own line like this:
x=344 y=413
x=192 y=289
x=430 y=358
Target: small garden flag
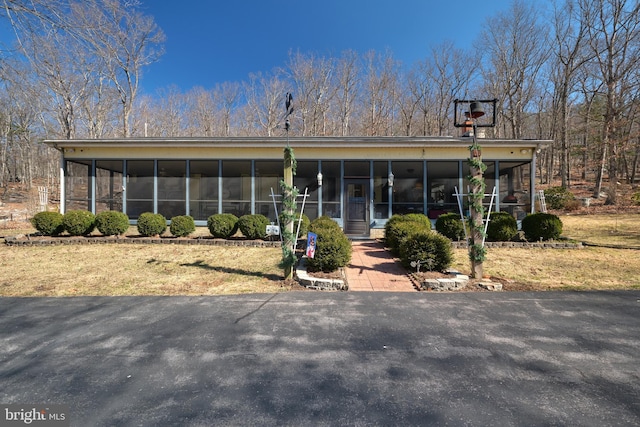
x=311 y=244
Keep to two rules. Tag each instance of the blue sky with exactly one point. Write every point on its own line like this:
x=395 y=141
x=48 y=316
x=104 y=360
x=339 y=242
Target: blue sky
x=211 y=42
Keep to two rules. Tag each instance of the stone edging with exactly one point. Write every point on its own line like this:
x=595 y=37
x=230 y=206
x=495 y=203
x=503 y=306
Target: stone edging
x=209 y=241
x=527 y=245
x=318 y=283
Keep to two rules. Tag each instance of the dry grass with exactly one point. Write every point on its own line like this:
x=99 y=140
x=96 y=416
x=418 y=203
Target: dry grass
x=214 y=270
x=138 y=270
x=603 y=229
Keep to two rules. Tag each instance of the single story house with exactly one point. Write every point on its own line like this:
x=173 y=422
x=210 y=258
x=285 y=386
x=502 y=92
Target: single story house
x=358 y=181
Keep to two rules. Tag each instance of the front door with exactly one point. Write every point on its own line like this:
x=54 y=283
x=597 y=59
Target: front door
x=356 y=203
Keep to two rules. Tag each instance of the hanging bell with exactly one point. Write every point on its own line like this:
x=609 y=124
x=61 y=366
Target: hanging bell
x=475 y=110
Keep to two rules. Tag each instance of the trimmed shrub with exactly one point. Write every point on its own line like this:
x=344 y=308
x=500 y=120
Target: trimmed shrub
x=419 y=218
x=304 y=224
x=79 y=223
x=432 y=250
x=400 y=226
x=112 y=223
x=150 y=224
x=450 y=225
x=48 y=223
x=333 y=250
x=502 y=227
x=222 y=225
x=253 y=226
x=182 y=225
x=558 y=198
x=323 y=222
x=541 y=226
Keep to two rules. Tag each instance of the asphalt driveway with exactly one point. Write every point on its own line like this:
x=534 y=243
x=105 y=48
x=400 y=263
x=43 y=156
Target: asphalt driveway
x=313 y=358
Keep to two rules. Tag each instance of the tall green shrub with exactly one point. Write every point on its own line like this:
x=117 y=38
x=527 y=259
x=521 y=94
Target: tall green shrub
x=48 y=223
x=79 y=222
x=450 y=225
x=541 y=226
x=400 y=226
x=432 y=250
x=223 y=225
x=150 y=224
x=182 y=225
x=253 y=226
x=333 y=250
x=502 y=227
x=112 y=223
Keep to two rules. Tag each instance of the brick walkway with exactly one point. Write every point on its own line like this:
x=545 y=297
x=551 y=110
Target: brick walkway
x=372 y=268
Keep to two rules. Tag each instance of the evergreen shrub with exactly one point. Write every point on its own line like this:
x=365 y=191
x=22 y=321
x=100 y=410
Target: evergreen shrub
x=502 y=227
x=182 y=225
x=541 y=226
x=222 y=226
x=323 y=222
x=559 y=198
x=401 y=226
x=431 y=249
x=150 y=224
x=450 y=225
x=48 y=223
x=112 y=223
x=79 y=222
x=333 y=249
x=253 y=226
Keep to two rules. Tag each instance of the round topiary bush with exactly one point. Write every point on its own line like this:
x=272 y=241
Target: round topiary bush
x=304 y=224
x=400 y=229
x=253 y=226
x=150 y=224
x=48 y=223
x=502 y=227
x=112 y=223
x=417 y=217
x=450 y=225
x=79 y=222
x=432 y=250
x=541 y=226
x=182 y=225
x=333 y=250
x=323 y=222
x=223 y=225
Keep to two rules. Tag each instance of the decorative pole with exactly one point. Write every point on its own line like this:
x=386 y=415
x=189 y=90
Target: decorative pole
x=477 y=250
x=289 y=195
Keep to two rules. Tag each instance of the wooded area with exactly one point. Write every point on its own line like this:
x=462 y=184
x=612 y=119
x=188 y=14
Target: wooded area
x=565 y=70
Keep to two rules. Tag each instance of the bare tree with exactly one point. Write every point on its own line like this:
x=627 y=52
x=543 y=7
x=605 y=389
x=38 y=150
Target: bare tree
x=569 y=56
x=516 y=50
x=449 y=73
x=347 y=80
x=379 y=91
x=312 y=78
x=614 y=37
x=264 y=95
x=125 y=41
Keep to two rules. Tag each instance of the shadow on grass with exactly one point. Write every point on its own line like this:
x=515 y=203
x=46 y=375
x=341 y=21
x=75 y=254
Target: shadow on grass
x=229 y=270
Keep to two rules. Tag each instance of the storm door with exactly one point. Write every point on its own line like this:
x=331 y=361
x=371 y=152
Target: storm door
x=356 y=221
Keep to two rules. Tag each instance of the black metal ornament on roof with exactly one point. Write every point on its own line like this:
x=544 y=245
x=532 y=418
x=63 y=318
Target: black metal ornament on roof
x=288 y=104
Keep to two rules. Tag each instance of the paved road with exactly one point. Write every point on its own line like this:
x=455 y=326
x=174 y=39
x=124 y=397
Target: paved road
x=312 y=358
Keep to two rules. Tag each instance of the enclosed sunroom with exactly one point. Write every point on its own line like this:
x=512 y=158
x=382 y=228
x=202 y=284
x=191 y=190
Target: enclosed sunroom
x=358 y=181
